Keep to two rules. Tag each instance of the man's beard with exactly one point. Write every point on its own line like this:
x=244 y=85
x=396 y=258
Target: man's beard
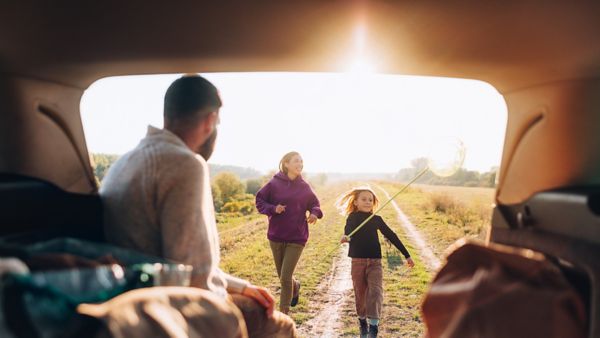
x=207 y=148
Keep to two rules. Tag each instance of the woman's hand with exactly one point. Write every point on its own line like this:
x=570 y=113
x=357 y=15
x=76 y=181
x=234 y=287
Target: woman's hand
x=262 y=296
x=410 y=262
x=345 y=239
x=312 y=219
x=279 y=209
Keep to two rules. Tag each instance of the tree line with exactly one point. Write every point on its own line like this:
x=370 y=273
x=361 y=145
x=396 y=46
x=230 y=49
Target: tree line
x=462 y=177
x=234 y=188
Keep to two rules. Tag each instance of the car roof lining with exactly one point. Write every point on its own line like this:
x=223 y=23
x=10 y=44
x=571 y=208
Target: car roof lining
x=79 y=42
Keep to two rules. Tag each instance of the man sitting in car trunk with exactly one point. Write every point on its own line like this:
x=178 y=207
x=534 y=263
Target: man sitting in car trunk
x=157 y=200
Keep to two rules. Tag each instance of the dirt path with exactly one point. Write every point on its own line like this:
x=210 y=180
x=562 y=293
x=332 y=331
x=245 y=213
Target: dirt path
x=336 y=288
x=424 y=250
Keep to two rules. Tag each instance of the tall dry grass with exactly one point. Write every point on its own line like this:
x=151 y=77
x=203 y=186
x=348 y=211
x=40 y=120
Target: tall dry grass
x=473 y=217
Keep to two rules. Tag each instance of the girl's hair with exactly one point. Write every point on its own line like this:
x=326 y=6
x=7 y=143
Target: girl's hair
x=346 y=203
x=285 y=159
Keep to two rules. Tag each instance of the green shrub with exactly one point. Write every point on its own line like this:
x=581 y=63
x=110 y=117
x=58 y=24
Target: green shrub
x=243 y=207
x=231 y=207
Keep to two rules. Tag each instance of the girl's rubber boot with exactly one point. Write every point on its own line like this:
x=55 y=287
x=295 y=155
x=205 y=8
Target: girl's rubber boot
x=364 y=328
x=373 y=331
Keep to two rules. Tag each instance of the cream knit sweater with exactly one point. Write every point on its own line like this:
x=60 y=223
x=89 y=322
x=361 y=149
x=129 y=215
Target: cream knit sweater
x=157 y=200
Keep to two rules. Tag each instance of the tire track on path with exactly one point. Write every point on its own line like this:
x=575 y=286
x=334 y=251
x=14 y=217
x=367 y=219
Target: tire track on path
x=335 y=290
x=432 y=261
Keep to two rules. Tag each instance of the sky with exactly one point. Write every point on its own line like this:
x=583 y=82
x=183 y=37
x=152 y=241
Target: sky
x=339 y=122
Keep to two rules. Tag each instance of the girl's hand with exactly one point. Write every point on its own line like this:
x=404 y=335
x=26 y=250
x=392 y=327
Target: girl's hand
x=345 y=239
x=279 y=209
x=312 y=219
x=410 y=262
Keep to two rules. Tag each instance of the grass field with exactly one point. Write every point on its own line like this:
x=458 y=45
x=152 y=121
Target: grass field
x=442 y=215
x=464 y=194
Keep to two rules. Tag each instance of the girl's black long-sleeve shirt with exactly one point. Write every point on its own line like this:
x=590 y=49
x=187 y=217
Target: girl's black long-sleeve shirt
x=365 y=242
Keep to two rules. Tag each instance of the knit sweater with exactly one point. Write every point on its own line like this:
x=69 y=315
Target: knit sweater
x=365 y=242
x=157 y=200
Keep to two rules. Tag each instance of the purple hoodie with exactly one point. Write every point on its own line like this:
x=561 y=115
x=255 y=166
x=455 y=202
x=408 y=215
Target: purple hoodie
x=298 y=197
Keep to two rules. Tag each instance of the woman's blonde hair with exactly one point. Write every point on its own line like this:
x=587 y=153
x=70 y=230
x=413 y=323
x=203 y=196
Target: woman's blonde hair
x=346 y=203
x=285 y=159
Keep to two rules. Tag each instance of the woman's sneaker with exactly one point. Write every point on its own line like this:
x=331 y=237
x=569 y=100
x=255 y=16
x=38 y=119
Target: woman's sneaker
x=295 y=293
x=364 y=328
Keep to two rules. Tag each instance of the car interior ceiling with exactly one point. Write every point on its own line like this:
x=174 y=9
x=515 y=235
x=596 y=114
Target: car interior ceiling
x=544 y=60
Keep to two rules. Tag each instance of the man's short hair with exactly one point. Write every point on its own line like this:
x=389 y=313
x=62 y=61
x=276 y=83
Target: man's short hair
x=189 y=95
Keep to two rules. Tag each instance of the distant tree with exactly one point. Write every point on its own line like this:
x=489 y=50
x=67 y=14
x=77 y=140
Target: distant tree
x=217 y=198
x=242 y=172
x=405 y=174
x=419 y=163
x=254 y=185
x=492 y=180
x=101 y=163
x=488 y=179
x=318 y=179
x=229 y=185
x=462 y=177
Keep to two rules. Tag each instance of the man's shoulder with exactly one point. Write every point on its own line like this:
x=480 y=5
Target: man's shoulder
x=182 y=163
x=175 y=155
x=169 y=151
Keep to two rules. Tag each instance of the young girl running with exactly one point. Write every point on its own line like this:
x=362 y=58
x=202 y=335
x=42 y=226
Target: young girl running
x=365 y=250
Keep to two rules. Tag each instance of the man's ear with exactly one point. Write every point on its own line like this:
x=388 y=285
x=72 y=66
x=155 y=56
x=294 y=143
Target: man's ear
x=210 y=122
